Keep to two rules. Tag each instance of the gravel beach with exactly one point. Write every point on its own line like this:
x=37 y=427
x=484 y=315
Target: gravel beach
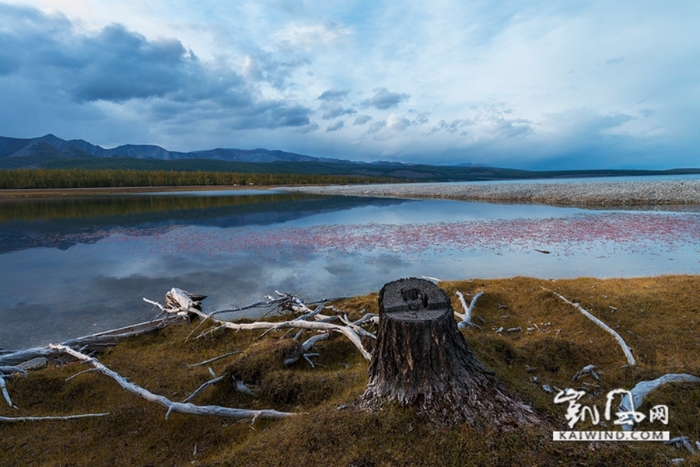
x=590 y=194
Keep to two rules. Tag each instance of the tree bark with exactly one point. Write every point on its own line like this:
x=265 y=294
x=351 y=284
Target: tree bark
x=421 y=360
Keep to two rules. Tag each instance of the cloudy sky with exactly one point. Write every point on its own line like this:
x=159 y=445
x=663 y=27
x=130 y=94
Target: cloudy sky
x=524 y=84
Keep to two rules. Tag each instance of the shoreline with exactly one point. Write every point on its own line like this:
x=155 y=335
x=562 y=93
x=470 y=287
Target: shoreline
x=586 y=194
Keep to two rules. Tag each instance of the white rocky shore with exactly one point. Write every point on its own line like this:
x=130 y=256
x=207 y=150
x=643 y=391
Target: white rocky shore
x=578 y=193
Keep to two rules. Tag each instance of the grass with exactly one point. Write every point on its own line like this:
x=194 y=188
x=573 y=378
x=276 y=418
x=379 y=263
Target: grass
x=658 y=317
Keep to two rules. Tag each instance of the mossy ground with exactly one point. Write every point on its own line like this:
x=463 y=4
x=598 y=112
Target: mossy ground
x=658 y=317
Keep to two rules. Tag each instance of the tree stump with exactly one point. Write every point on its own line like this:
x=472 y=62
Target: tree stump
x=421 y=360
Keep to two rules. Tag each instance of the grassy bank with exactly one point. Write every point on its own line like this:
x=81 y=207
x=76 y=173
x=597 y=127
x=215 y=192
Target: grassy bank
x=658 y=317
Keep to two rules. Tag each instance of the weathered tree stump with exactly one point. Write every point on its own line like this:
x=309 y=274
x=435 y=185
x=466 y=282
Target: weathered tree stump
x=421 y=360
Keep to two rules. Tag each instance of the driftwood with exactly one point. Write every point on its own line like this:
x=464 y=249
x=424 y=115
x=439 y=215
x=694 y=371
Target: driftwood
x=625 y=348
x=182 y=302
x=178 y=407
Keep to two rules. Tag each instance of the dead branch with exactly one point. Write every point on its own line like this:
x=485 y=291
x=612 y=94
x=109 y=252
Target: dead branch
x=178 y=407
x=605 y=327
x=181 y=301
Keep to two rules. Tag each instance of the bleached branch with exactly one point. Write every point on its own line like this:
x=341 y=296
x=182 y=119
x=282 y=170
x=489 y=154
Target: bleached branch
x=605 y=327
x=178 y=407
x=183 y=301
x=34 y=419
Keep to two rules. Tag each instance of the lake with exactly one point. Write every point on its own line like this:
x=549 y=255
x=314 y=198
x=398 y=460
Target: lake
x=74 y=266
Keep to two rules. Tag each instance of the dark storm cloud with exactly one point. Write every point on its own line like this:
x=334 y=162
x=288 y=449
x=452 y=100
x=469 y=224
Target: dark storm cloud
x=117 y=65
x=383 y=99
x=114 y=65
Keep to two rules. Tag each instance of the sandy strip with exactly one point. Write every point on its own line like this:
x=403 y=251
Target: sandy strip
x=583 y=193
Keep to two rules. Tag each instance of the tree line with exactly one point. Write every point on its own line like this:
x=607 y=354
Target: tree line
x=95 y=178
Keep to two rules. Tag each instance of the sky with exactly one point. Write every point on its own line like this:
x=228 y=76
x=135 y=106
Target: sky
x=521 y=84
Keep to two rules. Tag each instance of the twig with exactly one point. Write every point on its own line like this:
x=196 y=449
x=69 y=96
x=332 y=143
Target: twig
x=192 y=365
x=205 y=385
x=91 y=370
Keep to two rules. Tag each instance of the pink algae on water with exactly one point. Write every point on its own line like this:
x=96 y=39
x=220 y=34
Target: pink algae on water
x=600 y=231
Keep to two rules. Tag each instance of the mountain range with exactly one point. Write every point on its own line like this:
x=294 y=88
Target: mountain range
x=52 y=152
x=33 y=152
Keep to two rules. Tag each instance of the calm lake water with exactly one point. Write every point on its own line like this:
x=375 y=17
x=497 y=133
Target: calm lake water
x=70 y=267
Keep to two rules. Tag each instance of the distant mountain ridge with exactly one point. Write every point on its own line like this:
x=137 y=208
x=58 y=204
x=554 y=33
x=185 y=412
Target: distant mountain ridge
x=50 y=147
x=52 y=152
